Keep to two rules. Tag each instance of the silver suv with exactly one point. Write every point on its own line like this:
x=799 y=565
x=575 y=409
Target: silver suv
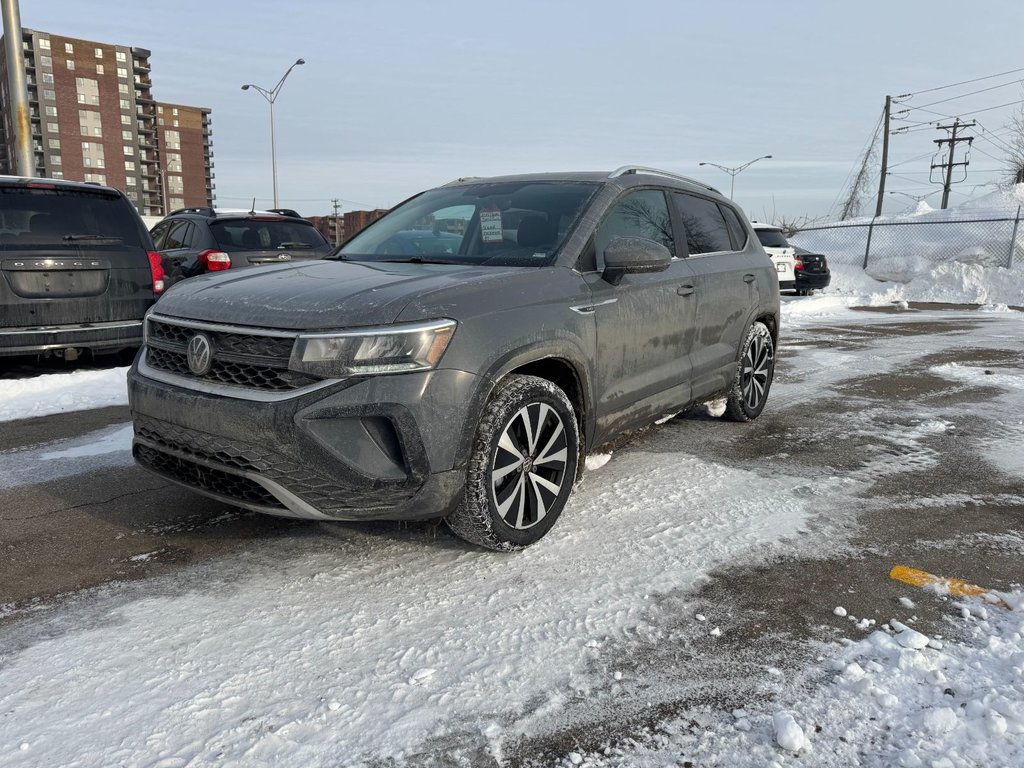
x=458 y=357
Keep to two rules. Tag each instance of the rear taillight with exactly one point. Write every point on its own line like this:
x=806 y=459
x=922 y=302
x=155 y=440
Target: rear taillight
x=798 y=264
x=156 y=269
x=215 y=261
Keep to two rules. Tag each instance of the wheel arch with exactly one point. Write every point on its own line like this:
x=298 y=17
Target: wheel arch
x=562 y=366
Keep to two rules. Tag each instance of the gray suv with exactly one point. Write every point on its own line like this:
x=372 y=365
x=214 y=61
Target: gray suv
x=458 y=357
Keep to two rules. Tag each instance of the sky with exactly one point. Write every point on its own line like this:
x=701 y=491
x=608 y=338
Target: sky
x=396 y=97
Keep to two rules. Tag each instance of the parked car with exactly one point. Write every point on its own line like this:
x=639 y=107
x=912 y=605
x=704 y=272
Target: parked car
x=811 y=271
x=461 y=383
x=77 y=269
x=192 y=241
x=782 y=254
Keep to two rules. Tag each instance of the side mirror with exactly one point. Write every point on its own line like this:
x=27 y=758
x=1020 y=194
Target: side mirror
x=634 y=255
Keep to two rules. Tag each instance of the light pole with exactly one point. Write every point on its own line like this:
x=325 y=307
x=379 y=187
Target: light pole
x=271 y=96
x=733 y=171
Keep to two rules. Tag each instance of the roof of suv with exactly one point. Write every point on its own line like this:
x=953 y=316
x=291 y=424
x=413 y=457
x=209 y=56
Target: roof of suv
x=234 y=213
x=23 y=181
x=624 y=176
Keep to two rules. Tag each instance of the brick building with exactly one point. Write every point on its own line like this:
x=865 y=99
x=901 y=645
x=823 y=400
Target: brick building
x=359 y=220
x=331 y=227
x=94 y=118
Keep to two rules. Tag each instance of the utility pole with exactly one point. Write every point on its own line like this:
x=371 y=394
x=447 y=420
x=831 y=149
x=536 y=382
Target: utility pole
x=885 y=156
x=949 y=164
x=22 y=163
x=336 y=227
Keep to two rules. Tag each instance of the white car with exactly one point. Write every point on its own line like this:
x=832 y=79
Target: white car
x=782 y=254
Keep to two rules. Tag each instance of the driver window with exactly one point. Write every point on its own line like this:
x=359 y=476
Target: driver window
x=638 y=214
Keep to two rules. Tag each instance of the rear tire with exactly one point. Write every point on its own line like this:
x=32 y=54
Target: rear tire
x=523 y=465
x=754 y=373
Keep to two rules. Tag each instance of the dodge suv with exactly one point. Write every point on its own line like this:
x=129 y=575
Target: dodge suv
x=459 y=356
x=77 y=269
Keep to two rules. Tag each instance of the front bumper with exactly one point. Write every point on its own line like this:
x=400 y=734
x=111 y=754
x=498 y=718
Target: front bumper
x=120 y=334
x=386 y=447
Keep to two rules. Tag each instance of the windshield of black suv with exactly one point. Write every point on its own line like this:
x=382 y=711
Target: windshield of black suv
x=521 y=223
x=50 y=216
x=771 y=238
x=266 y=233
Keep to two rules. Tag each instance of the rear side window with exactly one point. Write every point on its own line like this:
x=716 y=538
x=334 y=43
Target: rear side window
x=260 y=234
x=63 y=216
x=177 y=236
x=736 y=228
x=706 y=231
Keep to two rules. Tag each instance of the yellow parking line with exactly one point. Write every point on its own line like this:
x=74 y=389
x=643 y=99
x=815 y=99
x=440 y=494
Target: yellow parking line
x=956 y=587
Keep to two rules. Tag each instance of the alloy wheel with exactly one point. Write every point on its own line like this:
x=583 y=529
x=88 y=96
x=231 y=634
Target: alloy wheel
x=757 y=370
x=528 y=469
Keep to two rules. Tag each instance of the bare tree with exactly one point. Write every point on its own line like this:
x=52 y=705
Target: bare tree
x=790 y=225
x=1014 y=161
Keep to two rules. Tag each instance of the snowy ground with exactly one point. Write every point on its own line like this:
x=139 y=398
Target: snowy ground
x=362 y=644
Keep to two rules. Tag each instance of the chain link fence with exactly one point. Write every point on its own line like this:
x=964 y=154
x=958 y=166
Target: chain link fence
x=874 y=245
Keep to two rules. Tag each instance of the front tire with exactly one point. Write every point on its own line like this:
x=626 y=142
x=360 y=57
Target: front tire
x=522 y=468
x=754 y=374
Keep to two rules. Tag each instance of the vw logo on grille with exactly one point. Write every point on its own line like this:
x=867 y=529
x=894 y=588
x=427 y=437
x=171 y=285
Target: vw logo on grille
x=200 y=354
x=284 y=257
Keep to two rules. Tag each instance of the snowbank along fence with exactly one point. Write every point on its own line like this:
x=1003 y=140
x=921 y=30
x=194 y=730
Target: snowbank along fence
x=990 y=242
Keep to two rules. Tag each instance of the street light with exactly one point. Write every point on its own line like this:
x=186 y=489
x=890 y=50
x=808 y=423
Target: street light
x=733 y=171
x=271 y=96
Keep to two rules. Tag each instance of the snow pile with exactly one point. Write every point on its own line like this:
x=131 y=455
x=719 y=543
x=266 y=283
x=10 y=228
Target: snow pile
x=60 y=392
x=956 y=263
x=897 y=698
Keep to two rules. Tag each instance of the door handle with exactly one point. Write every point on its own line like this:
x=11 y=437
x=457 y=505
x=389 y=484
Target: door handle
x=748 y=278
x=685 y=290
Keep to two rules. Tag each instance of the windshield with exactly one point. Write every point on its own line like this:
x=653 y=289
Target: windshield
x=499 y=224
x=261 y=234
x=771 y=238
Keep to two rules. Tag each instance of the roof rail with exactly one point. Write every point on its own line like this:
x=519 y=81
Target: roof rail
x=634 y=169
x=202 y=209
x=285 y=212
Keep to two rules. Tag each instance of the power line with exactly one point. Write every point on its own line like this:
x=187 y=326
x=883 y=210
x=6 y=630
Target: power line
x=994 y=137
x=904 y=162
x=964 y=95
x=964 y=82
x=986 y=154
x=970 y=112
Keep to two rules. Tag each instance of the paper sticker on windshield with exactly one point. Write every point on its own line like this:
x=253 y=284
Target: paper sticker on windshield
x=490 y=226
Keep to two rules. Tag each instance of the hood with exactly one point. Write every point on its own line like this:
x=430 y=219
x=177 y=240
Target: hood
x=315 y=295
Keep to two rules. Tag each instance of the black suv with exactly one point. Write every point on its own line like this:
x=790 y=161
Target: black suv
x=538 y=317
x=192 y=241
x=77 y=269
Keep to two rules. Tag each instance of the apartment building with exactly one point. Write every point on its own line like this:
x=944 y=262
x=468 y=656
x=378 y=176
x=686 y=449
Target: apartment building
x=94 y=118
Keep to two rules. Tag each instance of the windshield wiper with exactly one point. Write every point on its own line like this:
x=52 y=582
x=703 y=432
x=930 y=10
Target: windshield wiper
x=77 y=238
x=418 y=260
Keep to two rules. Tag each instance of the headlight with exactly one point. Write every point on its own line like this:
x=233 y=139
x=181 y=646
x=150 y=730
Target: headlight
x=389 y=349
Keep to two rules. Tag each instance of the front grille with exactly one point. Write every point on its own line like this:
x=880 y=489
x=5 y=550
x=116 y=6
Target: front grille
x=239 y=360
x=211 y=480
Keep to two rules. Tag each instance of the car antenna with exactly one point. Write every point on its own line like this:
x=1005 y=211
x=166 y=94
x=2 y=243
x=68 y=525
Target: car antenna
x=253 y=209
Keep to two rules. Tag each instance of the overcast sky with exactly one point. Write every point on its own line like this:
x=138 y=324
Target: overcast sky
x=396 y=96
